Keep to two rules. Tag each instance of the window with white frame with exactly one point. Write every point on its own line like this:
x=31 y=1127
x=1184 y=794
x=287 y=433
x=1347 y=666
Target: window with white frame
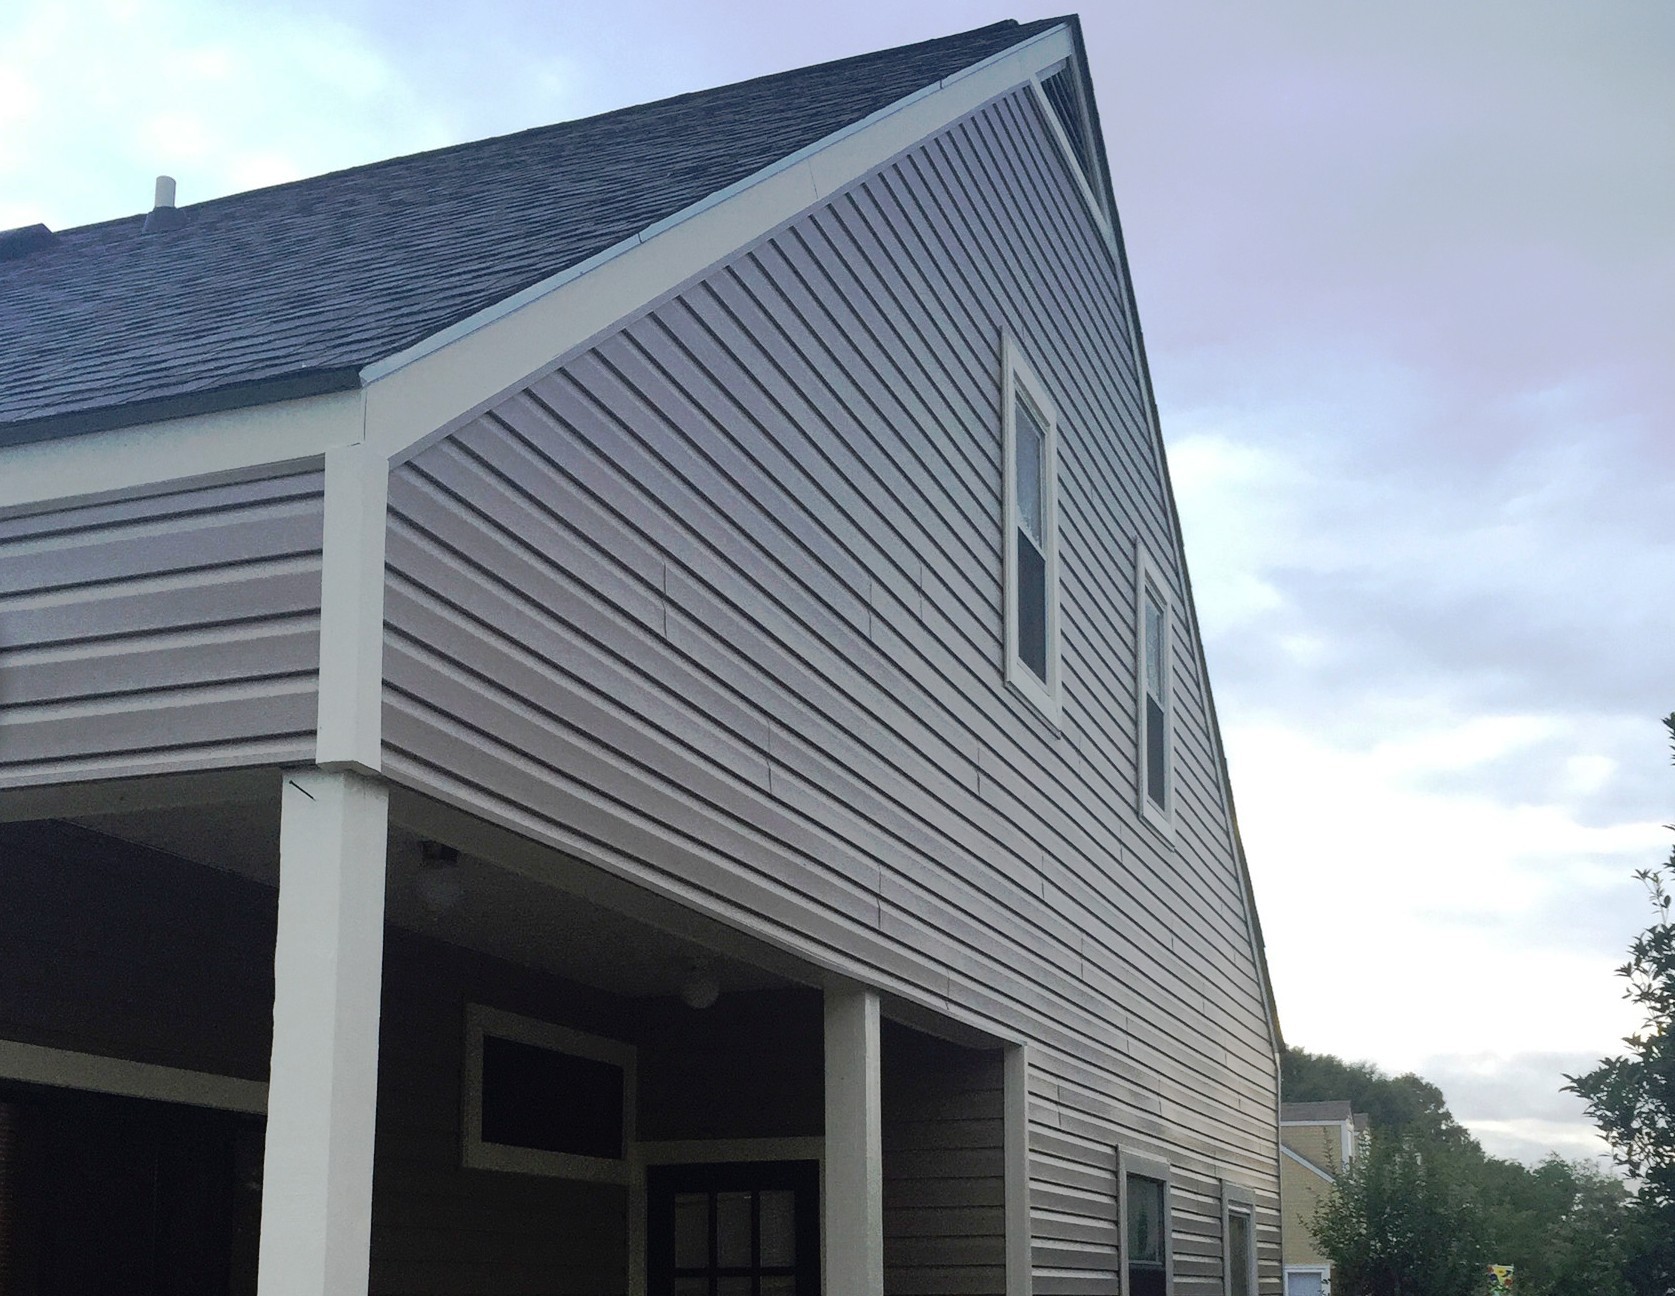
x=1031 y=541
x=1148 y=1259
x=1308 y=1280
x=1238 y=1231
x=1153 y=690
x=544 y=1099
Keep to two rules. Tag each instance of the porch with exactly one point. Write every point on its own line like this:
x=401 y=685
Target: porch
x=304 y=1033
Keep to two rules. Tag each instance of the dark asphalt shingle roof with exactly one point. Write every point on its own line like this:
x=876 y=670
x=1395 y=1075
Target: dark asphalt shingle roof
x=303 y=283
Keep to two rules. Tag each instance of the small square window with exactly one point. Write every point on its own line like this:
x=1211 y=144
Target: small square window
x=544 y=1099
x=1031 y=537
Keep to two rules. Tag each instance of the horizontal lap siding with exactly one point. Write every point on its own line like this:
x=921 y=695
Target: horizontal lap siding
x=719 y=601
x=943 y=1140
x=177 y=631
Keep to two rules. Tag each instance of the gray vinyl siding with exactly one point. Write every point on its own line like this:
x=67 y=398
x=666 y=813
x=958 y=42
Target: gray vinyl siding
x=179 y=630
x=719 y=602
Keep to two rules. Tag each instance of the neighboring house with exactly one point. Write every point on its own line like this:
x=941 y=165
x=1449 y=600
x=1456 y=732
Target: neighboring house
x=619 y=709
x=1317 y=1140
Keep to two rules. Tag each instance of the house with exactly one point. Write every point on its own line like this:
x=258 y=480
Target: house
x=618 y=709
x=1317 y=1140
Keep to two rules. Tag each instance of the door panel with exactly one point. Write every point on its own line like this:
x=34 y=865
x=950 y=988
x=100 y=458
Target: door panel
x=733 y=1229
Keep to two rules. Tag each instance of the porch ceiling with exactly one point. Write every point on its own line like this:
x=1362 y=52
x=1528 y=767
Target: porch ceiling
x=504 y=913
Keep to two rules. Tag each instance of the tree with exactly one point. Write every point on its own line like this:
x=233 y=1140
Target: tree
x=1632 y=1098
x=1405 y=1104
x=1400 y=1221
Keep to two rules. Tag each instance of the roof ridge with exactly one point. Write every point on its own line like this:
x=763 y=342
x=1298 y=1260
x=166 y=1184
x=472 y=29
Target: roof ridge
x=530 y=132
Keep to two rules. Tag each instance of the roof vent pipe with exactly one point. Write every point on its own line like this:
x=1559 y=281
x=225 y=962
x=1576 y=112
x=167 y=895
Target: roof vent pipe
x=164 y=215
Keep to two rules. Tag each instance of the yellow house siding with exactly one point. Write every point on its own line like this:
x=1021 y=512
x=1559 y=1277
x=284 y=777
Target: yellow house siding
x=1300 y=1192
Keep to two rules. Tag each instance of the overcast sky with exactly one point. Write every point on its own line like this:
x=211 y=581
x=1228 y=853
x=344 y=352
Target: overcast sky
x=1407 y=273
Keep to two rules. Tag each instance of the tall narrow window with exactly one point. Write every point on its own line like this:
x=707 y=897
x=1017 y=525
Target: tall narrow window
x=1153 y=694
x=1238 y=1215
x=1146 y=1226
x=1032 y=658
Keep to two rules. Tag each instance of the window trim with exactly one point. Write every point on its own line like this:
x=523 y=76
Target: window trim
x=1148 y=576
x=475 y=1154
x=1019 y=380
x=1237 y=1200
x=1145 y=1167
x=1324 y=1271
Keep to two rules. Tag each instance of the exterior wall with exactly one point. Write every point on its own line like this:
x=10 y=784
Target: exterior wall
x=175 y=631
x=1301 y=1190
x=1322 y=1144
x=717 y=604
x=944 y=1174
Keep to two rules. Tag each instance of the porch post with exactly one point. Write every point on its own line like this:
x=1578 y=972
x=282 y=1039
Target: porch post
x=323 y=1080
x=854 y=1196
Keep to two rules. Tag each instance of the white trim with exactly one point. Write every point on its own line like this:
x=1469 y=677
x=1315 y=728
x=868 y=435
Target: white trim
x=1306 y=1163
x=1018 y=382
x=1236 y=1199
x=852 y=1182
x=475 y=1154
x=1020 y=1270
x=1325 y=1272
x=199 y=450
x=349 y=719
x=1145 y=1167
x=1149 y=577
x=418 y=395
x=1085 y=183
x=328 y=966
x=96 y=1073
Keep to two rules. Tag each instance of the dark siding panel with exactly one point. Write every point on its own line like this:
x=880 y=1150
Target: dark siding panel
x=176 y=631
x=944 y=1177
x=720 y=602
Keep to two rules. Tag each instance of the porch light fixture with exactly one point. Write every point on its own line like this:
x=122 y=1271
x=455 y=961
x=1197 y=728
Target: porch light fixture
x=699 y=989
x=440 y=881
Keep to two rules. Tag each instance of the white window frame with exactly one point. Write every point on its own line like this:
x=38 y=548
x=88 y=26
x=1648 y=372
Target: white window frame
x=475 y=1154
x=1145 y=1167
x=1237 y=1200
x=1149 y=577
x=1325 y=1272
x=1019 y=381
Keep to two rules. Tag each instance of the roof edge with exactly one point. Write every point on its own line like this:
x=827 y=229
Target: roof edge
x=381 y=368
x=214 y=400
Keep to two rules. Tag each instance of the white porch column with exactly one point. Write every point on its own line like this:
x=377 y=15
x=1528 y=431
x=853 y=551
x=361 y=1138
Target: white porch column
x=854 y=1193
x=323 y=1080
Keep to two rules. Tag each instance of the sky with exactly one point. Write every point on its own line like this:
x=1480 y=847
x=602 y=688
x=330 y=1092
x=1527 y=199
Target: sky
x=1407 y=277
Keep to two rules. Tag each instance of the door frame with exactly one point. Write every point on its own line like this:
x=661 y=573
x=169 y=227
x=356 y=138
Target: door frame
x=651 y=1153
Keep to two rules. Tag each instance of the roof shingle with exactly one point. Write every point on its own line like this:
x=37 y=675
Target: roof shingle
x=296 y=287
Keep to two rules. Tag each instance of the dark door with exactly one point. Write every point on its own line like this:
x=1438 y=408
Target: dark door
x=121 y=1195
x=734 y=1229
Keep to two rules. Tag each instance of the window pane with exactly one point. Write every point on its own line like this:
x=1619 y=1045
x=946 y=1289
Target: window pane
x=1238 y=1254
x=732 y=1230
x=1157 y=754
x=779 y=1229
x=1032 y=607
x=536 y=1097
x=1029 y=453
x=692 y=1230
x=692 y=1287
x=1145 y=1221
x=1304 y=1284
x=1154 y=649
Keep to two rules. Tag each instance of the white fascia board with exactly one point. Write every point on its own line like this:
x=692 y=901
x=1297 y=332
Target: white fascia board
x=1306 y=1163
x=201 y=448
x=418 y=395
